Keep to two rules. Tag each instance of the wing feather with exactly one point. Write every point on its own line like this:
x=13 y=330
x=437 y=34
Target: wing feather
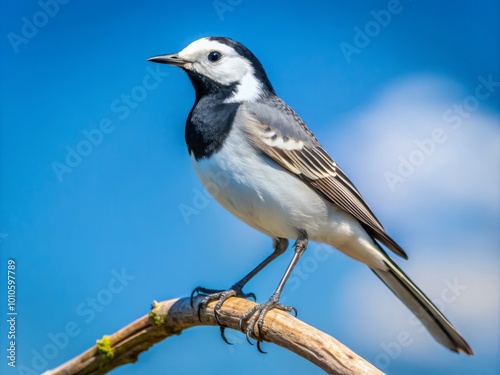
x=301 y=154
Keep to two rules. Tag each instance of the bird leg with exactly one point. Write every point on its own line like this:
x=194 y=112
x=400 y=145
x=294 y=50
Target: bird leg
x=279 y=245
x=257 y=313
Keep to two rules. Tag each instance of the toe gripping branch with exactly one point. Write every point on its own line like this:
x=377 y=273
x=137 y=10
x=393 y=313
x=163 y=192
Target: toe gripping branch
x=221 y=296
x=255 y=316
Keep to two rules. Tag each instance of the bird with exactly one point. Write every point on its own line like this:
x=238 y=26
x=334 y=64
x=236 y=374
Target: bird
x=261 y=162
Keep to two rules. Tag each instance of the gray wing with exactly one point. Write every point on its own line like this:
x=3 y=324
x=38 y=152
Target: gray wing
x=296 y=149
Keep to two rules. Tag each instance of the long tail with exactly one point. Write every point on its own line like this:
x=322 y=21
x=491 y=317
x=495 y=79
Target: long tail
x=422 y=307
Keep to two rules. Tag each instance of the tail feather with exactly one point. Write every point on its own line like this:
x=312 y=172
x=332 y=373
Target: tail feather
x=435 y=322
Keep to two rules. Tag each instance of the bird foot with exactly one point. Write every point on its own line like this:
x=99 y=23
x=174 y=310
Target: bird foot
x=221 y=296
x=256 y=315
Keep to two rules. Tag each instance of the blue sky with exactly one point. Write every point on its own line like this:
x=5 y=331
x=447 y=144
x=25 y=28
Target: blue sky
x=94 y=174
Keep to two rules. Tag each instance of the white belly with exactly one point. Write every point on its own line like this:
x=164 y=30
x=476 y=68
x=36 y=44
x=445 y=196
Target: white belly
x=261 y=194
x=265 y=196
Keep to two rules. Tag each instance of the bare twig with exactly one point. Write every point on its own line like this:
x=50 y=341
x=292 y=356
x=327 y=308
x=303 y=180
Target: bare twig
x=171 y=317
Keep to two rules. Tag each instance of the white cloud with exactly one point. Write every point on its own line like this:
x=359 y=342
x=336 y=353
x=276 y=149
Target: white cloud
x=459 y=176
x=473 y=307
x=464 y=168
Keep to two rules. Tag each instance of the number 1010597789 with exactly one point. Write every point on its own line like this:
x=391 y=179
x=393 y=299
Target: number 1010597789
x=11 y=314
x=11 y=285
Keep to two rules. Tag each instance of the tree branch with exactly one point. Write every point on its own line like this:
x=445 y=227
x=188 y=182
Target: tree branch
x=171 y=317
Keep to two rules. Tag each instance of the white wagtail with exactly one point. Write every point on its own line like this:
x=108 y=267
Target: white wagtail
x=261 y=162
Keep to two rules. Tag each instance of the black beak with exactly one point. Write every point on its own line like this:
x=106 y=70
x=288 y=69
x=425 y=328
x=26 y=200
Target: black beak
x=170 y=59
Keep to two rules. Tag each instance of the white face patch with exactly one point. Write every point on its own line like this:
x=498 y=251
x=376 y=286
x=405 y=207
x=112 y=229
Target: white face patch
x=231 y=68
x=249 y=88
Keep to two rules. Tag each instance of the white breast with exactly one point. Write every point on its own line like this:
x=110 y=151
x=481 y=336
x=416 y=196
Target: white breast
x=258 y=191
x=265 y=196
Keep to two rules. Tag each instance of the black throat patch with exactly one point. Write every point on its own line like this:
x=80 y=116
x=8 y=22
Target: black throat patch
x=206 y=86
x=208 y=125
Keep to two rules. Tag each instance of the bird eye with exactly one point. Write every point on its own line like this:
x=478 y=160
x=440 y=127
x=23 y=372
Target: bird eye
x=214 y=56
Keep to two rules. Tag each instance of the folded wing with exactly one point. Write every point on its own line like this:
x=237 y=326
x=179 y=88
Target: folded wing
x=297 y=150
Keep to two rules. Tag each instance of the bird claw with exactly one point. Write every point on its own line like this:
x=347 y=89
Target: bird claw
x=223 y=335
x=221 y=296
x=256 y=316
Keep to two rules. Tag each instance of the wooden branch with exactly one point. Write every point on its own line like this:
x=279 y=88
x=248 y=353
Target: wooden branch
x=171 y=317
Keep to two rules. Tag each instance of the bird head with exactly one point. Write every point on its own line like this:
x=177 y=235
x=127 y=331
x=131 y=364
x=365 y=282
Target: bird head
x=221 y=66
